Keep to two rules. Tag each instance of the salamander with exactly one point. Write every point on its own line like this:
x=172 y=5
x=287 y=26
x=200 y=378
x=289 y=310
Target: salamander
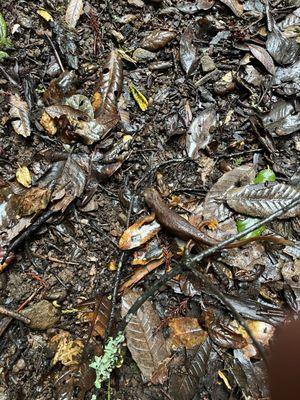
x=181 y=228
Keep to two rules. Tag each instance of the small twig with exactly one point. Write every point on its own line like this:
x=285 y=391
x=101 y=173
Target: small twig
x=55 y=53
x=13 y=314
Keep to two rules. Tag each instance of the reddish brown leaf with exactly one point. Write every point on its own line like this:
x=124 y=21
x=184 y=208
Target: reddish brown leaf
x=263 y=56
x=157 y=39
x=186 y=331
x=147 y=346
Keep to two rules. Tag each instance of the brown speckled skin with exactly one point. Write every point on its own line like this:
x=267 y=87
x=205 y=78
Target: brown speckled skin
x=181 y=228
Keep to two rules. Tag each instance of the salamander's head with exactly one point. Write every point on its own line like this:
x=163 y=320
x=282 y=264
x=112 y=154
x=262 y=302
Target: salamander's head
x=151 y=196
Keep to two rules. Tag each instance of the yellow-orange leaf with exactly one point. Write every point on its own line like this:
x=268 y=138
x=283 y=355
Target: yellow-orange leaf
x=139 y=98
x=23 y=176
x=186 y=331
x=139 y=233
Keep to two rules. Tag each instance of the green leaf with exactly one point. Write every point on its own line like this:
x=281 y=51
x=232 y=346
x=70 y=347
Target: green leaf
x=3 y=28
x=265 y=175
x=244 y=224
x=3 y=55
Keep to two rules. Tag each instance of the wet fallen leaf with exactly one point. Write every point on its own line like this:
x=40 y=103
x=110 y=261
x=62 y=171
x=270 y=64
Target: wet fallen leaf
x=110 y=84
x=186 y=331
x=184 y=386
x=282 y=119
x=199 y=133
x=224 y=379
x=146 y=345
x=68 y=351
x=226 y=337
x=23 y=176
x=19 y=112
x=44 y=14
x=60 y=88
x=261 y=200
x=140 y=273
x=157 y=40
x=263 y=56
x=246 y=223
x=139 y=233
x=139 y=98
x=235 y=6
x=67 y=178
x=73 y=12
x=265 y=175
x=82 y=103
x=192 y=8
x=284 y=50
x=150 y=252
x=188 y=51
x=291 y=273
x=98 y=322
x=214 y=206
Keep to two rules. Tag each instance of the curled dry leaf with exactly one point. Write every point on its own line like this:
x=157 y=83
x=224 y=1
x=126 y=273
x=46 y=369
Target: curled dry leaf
x=19 y=112
x=198 y=135
x=157 y=40
x=185 y=332
x=139 y=233
x=214 y=206
x=235 y=6
x=23 y=176
x=146 y=345
x=263 y=56
x=188 y=51
x=73 y=12
x=61 y=110
x=261 y=200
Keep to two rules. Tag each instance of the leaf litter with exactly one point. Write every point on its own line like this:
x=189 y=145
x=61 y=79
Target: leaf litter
x=107 y=100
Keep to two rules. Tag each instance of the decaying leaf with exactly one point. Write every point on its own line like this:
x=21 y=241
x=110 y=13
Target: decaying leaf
x=110 y=85
x=284 y=50
x=157 y=39
x=291 y=274
x=261 y=200
x=21 y=204
x=140 y=273
x=98 y=322
x=186 y=331
x=147 y=346
x=82 y=103
x=263 y=56
x=184 y=386
x=19 y=112
x=214 y=206
x=282 y=119
x=139 y=233
x=150 y=252
x=188 y=51
x=67 y=180
x=236 y=7
x=226 y=337
x=23 y=176
x=139 y=98
x=199 y=133
x=73 y=12
x=192 y=8
x=68 y=351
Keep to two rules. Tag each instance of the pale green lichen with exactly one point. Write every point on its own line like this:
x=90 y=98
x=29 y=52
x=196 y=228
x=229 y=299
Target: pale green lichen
x=105 y=364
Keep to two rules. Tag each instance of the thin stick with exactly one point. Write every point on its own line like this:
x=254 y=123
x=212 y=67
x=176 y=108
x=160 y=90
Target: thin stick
x=55 y=53
x=13 y=314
